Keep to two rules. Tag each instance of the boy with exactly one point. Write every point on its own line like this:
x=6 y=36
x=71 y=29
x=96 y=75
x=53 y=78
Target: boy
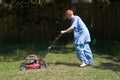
x=81 y=38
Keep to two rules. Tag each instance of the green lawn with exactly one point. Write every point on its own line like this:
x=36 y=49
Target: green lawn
x=61 y=61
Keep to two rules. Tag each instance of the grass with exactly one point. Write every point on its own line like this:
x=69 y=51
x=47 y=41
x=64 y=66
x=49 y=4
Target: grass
x=61 y=61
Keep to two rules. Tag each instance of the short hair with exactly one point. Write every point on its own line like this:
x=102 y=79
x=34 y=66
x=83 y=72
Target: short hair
x=69 y=11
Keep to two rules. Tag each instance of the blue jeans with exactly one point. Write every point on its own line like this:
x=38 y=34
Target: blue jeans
x=84 y=53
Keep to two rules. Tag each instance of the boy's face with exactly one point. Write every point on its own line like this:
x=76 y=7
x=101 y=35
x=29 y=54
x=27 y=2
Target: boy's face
x=69 y=16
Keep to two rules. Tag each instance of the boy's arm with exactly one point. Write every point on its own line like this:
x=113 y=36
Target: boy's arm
x=67 y=30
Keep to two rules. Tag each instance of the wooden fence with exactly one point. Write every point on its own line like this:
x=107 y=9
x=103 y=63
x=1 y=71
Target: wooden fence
x=33 y=22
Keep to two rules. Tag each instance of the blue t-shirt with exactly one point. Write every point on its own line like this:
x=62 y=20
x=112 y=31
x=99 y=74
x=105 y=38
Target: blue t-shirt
x=81 y=33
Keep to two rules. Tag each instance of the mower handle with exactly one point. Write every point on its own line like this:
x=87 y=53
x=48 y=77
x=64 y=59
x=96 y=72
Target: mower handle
x=54 y=41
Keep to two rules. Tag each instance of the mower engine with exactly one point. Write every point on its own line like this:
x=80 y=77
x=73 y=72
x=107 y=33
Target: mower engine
x=32 y=62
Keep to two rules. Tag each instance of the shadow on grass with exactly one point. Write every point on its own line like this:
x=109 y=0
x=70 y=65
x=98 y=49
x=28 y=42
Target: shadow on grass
x=108 y=66
x=107 y=47
x=18 y=51
x=62 y=49
x=63 y=63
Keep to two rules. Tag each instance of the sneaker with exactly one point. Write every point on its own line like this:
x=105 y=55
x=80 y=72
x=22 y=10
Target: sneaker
x=83 y=65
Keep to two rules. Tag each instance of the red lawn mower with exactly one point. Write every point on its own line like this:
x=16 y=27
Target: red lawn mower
x=33 y=62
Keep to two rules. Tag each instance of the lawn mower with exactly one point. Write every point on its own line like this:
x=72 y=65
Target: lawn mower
x=33 y=62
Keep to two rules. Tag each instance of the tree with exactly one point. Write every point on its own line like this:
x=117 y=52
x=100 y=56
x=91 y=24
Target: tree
x=114 y=0
x=82 y=1
x=103 y=1
x=0 y=1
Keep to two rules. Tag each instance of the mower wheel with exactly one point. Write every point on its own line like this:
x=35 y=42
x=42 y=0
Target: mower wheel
x=43 y=65
x=23 y=66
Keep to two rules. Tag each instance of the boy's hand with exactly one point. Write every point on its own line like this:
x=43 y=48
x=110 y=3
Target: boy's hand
x=63 y=32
